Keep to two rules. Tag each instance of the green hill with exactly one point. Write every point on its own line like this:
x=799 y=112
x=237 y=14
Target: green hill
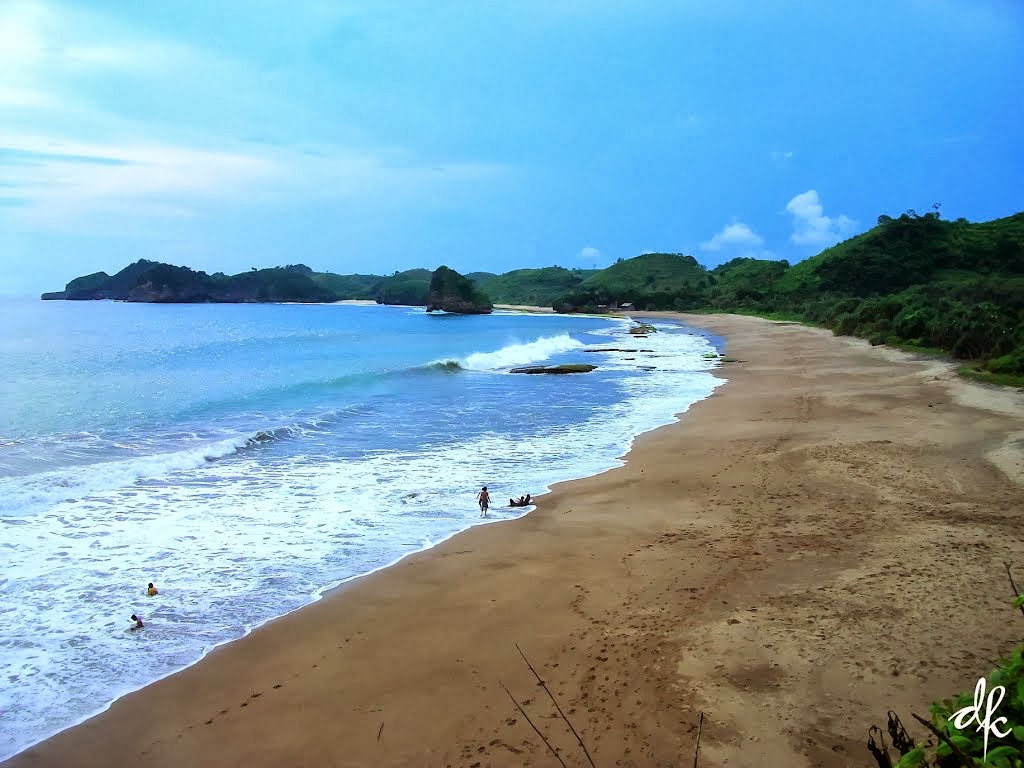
x=909 y=250
x=362 y=287
x=744 y=280
x=651 y=281
x=911 y=281
x=408 y=288
x=538 y=287
x=154 y=282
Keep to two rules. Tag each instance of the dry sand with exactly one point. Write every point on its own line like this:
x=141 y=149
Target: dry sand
x=820 y=541
x=525 y=308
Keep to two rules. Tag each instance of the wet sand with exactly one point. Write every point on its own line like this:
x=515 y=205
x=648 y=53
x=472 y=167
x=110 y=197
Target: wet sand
x=820 y=541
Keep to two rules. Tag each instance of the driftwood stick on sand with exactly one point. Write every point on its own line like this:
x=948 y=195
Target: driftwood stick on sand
x=560 y=712
x=696 y=750
x=1016 y=592
x=964 y=759
x=542 y=738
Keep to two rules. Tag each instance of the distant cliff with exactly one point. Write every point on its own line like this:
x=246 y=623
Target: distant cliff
x=150 y=281
x=452 y=292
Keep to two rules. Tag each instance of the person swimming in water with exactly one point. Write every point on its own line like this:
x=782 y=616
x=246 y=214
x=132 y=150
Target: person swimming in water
x=138 y=622
x=484 y=498
x=152 y=590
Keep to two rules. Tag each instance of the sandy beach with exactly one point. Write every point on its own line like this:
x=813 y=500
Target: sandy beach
x=525 y=308
x=819 y=542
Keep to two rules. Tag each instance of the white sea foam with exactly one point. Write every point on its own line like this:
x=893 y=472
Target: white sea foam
x=520 y=353
x=44 y=489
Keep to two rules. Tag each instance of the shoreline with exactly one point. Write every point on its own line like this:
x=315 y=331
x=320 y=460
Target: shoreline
x=330 y=588
x=384 y=674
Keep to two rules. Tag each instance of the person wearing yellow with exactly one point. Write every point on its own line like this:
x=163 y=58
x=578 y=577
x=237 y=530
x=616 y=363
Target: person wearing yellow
x=152 y=590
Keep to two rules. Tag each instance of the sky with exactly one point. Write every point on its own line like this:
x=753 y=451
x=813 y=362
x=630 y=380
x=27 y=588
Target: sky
x=382 y=135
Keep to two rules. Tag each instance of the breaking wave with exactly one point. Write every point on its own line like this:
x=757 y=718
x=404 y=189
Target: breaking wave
x=513 y=354
x=22 y=494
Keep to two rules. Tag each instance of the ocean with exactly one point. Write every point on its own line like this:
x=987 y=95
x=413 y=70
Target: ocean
x=245 y=458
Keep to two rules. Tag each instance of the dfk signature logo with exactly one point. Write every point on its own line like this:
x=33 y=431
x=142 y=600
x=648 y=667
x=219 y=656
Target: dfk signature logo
x=964 y=717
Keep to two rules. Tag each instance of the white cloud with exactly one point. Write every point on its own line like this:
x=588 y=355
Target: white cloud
x=62 y=182
x=810 y=224
x=78 y=164
x=589 y=253
x=65 y=183
x=786 y=155
x=735 y=235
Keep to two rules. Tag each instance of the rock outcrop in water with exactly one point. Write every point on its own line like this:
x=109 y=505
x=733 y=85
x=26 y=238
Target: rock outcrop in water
x=451 y=292
x=557 y=369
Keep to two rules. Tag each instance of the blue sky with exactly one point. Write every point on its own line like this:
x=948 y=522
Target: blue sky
x=386 y=134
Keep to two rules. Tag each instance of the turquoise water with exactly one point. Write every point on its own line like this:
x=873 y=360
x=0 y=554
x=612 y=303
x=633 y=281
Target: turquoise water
x=245 y=457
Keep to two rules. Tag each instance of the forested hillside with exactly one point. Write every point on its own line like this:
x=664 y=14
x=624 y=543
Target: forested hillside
x=914 y=280
x=538 y=287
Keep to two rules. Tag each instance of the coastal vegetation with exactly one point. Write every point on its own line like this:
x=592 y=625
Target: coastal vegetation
x=650 y=281
x=407 y=288
x=917 y=282
x=532 y=287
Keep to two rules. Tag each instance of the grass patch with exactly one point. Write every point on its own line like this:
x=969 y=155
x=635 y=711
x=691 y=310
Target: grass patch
x=987 y=377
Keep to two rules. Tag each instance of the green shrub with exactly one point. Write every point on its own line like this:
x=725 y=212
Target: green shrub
x=1011 y=363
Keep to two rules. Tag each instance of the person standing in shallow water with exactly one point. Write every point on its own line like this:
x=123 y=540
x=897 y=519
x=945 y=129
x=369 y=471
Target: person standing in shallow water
x=485 y=499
